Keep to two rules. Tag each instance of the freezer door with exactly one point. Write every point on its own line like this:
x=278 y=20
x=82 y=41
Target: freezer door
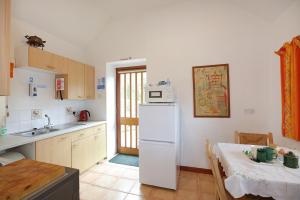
x=157 y=123
x=158 y=164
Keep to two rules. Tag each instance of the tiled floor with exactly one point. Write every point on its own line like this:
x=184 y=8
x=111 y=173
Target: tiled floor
x=108 y=181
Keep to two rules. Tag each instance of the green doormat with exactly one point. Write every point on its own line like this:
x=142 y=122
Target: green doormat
x=124 y=159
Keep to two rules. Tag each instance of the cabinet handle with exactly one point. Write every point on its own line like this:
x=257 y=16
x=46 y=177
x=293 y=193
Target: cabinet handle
x=63 y=138
x=50 y=67
x=82 y=134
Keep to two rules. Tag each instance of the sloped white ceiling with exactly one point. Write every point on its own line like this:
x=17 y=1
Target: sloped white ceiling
x=80 y=21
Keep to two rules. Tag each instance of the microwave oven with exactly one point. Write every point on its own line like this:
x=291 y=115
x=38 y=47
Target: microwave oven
x=159 y=94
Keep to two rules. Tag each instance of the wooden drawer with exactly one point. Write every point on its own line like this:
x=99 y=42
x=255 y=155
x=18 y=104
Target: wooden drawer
x=100 y=129
x=81 y=134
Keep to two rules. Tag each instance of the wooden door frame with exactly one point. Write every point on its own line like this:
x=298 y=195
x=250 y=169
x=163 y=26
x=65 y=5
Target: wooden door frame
x=118 y=113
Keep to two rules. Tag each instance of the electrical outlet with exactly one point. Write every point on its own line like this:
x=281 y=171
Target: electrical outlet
x=69 y=110
x=36 y=114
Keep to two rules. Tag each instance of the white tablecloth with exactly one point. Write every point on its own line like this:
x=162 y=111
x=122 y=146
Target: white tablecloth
x=245 y=176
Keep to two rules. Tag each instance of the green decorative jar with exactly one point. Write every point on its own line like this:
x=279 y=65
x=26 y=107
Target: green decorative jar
x=291 y=160
x=261 y=155
x=3 y=131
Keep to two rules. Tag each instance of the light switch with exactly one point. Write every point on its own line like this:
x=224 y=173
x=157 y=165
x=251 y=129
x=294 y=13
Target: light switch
x=249 y=111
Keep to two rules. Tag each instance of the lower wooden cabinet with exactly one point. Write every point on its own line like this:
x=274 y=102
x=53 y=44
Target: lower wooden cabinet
x=80 y=150
x=56 y=150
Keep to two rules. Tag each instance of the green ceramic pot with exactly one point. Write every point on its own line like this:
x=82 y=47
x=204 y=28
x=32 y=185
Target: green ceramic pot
x=261 y=155
x=291 y=160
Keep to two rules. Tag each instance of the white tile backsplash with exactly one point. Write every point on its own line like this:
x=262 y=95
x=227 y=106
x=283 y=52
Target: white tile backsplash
x=20 y=103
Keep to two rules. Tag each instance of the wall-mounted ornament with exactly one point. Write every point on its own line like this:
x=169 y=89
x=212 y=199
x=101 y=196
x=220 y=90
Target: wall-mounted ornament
x=211 y=91
x=35 y=41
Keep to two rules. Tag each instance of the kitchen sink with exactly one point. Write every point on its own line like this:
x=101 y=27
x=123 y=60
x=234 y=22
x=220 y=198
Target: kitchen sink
x=36 y=132
x=42 y=131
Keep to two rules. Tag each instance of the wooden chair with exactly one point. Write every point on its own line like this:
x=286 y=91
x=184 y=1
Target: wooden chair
x=254 y=138
x=221 y=192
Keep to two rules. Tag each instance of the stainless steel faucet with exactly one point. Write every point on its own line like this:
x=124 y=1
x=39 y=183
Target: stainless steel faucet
x=49 y=125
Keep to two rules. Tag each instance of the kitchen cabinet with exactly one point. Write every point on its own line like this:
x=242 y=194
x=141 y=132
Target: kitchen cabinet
x=36 y=58
x=82 y=153
x=5 y=46
x=88 y=147
x=89 y=73
x=56 y=150
x=80 y=149
x=99 y=147
x=75 y=80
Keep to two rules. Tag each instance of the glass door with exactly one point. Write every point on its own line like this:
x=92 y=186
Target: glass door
x=130 y=93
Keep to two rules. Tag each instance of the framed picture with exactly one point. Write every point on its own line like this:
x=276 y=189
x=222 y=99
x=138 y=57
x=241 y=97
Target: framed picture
x=211 y=91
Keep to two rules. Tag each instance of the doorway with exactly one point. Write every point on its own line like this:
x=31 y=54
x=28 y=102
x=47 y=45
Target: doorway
x=130 y=82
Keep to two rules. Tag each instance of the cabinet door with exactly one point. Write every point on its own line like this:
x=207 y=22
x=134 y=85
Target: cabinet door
x=60 y=64
x=82 y=154
x=40 y=59
x=5 y=46
x=89 y=74
x=99 y=147
x=56 y=150
x=75 y=79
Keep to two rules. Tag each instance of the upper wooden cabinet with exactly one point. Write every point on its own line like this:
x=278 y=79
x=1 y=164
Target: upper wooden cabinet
x=37 y=58
x=5 y=46
x=79 y=77
x=76 y=83
x=89 y=77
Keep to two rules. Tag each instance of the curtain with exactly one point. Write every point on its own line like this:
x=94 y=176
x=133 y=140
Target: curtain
x=290 y=88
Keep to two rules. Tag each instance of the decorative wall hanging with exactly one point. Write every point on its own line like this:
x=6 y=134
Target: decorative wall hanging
x=211 y=91
x=290 y=88
x=35 y=41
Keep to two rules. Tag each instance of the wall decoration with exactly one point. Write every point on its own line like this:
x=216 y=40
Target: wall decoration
x=211 y=91
x=100 y=84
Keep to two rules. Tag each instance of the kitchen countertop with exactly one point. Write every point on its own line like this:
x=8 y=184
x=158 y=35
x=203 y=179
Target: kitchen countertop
x=9 y=141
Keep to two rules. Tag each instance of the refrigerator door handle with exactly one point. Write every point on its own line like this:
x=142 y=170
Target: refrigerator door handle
x=156 y=141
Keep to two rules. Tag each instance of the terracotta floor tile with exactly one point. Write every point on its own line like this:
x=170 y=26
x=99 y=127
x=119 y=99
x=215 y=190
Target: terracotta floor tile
x=205 y=177
x=134 y=197
x=190 y=184
x=88 y=177
x=105 y=180
x=207 y=187
x=92 y=193
x=113 y=195
x=123 y=184
x=82 y=186
x=131 y=173
x=140 y=189
x=187 y=195
x=206 y=196
x=162 y=194
x=101 y=168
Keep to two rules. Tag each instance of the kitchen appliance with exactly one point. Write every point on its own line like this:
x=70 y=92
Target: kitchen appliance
x=159 y=144
x=159 y=94
x=84 y=115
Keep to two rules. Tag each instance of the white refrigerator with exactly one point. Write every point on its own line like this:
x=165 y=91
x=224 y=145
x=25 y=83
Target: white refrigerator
x=159 y=144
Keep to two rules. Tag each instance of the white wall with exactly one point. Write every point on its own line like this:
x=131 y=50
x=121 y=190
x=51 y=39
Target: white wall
x=19 y=102
x=192 y=33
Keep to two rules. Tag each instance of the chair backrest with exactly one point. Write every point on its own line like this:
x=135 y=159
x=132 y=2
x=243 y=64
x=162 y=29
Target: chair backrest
x=254 y=138
x=213 y=161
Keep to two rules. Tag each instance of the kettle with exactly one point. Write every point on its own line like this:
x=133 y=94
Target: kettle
x=84 y=115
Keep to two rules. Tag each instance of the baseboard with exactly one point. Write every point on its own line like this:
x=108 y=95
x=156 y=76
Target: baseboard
x=195 y=169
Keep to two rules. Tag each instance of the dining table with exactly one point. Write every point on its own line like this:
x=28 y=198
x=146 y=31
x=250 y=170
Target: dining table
x=245 y=176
